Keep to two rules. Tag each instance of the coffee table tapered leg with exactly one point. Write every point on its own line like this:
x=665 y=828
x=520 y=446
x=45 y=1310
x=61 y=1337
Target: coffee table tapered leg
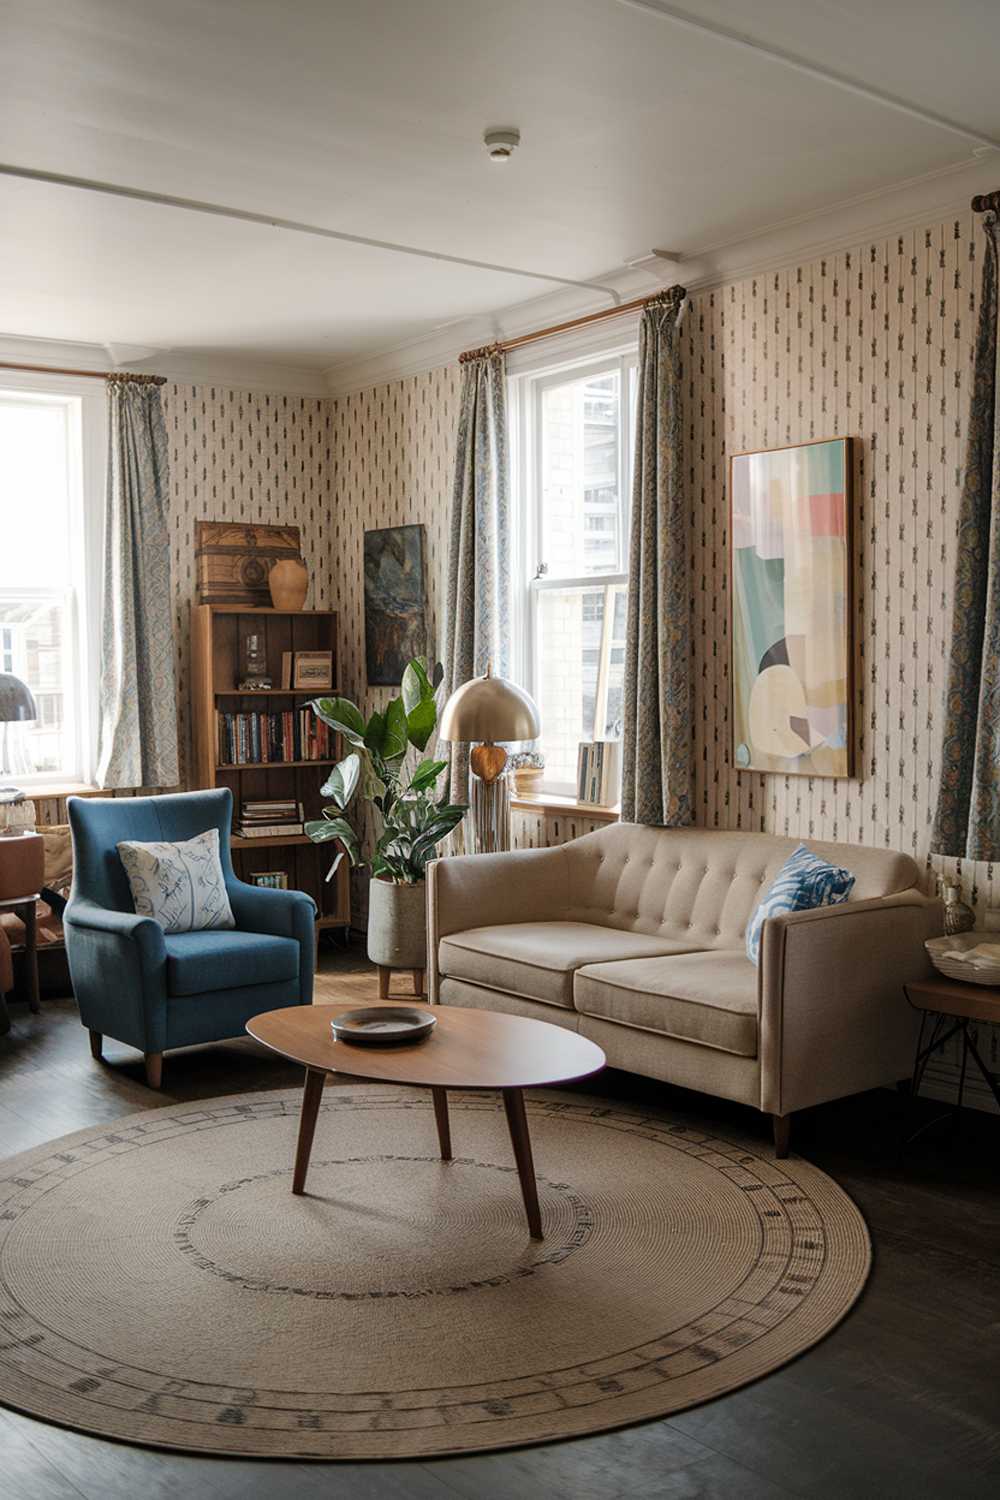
x=517 y=1121
x=311 y=1097
x=443 y=1125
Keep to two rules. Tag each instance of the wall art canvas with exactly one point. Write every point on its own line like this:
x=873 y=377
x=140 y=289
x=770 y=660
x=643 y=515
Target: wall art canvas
x=791 y=609
x=395 y=602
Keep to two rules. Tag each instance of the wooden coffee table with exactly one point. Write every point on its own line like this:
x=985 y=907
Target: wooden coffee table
x=468 y=1049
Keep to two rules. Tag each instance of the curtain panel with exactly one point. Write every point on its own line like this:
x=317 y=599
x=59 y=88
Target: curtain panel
x=967 y=816
x=477 y=609
x=657 y=727
x=138 y=705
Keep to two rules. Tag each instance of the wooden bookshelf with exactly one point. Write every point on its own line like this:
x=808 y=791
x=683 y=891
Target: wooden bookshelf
x=217 y=633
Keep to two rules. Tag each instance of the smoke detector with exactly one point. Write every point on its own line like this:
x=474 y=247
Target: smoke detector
x=501 y=144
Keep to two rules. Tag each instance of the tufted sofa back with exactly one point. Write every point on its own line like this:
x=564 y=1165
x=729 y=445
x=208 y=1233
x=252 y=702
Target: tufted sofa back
x=701 y=885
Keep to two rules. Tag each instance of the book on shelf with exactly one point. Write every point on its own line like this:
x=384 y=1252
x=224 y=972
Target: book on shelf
x=264 y=739
x=271 y=818
x=598 y=772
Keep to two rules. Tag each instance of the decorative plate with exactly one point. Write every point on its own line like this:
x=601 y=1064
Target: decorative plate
x=955 y=958
x=383 y=1026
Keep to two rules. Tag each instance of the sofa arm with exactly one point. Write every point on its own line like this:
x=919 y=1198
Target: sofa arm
x=118 y=965
x=480 y=890
x=832 y=1013
x=292 y=914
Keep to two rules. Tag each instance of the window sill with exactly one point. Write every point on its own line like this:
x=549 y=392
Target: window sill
x=49 y=791
x=552 y=802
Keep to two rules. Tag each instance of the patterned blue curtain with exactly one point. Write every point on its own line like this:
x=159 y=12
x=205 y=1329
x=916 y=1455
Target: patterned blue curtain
x=478 y=588
x=138 y=704
x=967 y=819
x=656 y=741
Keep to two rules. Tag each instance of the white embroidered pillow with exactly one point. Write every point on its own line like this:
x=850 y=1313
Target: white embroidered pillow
x=181 y=886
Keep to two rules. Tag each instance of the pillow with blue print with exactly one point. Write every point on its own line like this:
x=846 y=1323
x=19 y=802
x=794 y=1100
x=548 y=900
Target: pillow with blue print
x=181 y=886
x=803 y=882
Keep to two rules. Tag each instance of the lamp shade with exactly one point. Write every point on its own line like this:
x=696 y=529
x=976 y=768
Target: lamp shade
x=16 y=701
x=489 y=708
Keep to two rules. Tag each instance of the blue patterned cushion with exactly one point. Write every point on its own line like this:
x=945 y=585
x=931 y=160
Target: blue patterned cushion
x=181 y=886
x=804 y=881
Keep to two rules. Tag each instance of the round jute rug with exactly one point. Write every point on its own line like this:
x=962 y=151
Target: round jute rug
x=160 y=1284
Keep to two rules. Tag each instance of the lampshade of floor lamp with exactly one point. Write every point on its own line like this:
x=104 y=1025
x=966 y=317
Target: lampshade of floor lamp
x=486 y=710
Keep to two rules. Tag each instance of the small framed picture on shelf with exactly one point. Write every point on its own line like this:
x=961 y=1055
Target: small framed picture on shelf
x=312 y=670
x=272 y=880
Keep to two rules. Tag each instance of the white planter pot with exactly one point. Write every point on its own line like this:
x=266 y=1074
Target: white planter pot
x=397 y=925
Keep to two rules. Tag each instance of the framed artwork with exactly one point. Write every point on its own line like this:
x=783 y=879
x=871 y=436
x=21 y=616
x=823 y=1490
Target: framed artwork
x=790 y=531
x=312 y=669
x=395 y=602
x=233 y=560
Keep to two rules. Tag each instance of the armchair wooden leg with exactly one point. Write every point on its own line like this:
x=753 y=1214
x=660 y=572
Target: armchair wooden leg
x=154 y=1069
x=782 y=1127
x=96 y=1045
x=418 y=982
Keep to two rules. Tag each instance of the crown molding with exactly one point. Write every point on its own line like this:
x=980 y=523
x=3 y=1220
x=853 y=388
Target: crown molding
x=841 y=226
x=259 y=376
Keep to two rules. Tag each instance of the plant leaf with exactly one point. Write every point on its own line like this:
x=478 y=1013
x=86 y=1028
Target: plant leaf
x=342 y=781
x=324 y=830
x=420 y=723
x=374 y=730
x=416 y=684
x=426 y=774
x=341 y=714
x=394 y=736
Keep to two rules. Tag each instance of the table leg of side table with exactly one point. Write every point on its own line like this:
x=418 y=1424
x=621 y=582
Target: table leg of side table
x=517 y=1122
x=312 y=1094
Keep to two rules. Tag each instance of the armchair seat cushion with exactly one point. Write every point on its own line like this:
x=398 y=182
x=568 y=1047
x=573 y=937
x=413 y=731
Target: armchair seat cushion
x=219 y=959
x=538 y=959
x=709 y=998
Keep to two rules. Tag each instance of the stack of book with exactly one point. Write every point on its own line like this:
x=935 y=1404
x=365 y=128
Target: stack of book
x=252 y=739
x=274 y=818
x=599 y=772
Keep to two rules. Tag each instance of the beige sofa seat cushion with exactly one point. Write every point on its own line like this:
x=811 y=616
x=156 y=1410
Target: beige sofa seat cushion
x=709 y=998
x=538 y=959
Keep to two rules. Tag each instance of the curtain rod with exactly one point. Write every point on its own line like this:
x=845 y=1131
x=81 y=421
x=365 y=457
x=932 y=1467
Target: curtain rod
x=983 y=202
x=86 y=374
x=502 y=346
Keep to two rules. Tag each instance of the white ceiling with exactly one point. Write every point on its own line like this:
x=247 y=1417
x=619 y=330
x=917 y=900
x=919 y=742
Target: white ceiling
x=368 y=117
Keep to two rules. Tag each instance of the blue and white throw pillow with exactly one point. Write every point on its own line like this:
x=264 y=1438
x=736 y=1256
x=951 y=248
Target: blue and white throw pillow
x=804 y=881
x=181 y=886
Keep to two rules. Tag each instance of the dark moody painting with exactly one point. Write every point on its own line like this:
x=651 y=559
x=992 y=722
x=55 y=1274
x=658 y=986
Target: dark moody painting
x=395 y=602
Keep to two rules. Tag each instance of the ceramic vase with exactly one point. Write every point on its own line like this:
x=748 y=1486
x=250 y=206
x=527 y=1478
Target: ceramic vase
x=958 y=917
x=288 y=581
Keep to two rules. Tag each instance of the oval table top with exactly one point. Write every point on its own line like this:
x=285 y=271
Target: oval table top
x=468 y=1049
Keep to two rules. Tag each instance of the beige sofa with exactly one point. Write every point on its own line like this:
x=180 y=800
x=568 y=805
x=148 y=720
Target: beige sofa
x=634 y=937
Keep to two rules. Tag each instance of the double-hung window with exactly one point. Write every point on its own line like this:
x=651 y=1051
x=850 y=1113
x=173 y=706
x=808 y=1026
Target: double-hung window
x=51 y=466
x=574 y=459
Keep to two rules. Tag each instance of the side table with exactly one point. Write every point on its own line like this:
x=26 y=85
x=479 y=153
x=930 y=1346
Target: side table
x=949 y=1006
x=26 y=907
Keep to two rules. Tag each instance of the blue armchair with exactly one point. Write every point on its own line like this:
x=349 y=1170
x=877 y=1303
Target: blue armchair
x=157 y=990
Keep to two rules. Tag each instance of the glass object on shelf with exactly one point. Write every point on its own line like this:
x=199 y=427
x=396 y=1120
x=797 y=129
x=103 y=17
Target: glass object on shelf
x=255 y=677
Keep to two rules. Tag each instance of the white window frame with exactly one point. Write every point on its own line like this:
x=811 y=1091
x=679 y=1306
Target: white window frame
x=526 y=392
x=85 y=402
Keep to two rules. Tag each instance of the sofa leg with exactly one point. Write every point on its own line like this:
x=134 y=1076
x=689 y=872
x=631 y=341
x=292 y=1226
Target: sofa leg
x=154 y=1069
x=782 y=1127
x=384 y=975
x=96 y=1045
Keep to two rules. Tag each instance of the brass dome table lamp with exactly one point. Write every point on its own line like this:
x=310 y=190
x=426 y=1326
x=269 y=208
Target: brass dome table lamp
x=487 y=710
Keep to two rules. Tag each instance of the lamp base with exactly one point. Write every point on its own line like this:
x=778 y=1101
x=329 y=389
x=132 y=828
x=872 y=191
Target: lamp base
x=489 y=804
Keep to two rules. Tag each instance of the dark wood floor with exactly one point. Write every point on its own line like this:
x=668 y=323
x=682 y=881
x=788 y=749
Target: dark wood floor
x=902 y=1400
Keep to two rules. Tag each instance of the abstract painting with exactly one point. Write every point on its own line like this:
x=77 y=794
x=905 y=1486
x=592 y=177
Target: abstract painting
x=791 y=593
x=395 y=602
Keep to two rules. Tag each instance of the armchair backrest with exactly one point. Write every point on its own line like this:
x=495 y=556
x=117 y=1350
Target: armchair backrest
x=100 y=823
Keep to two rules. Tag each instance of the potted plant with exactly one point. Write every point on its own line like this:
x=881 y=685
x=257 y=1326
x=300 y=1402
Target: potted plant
x=402 y=792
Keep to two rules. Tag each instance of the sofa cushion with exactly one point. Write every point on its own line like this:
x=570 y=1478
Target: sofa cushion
x=198 y=962
x=709 y=998
x=538 y=959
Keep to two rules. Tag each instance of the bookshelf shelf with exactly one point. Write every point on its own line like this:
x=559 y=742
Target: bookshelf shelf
x=218 y=631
